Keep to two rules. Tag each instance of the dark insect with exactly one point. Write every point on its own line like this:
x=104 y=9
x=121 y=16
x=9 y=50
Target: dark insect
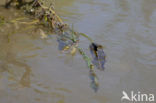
x=98 y=55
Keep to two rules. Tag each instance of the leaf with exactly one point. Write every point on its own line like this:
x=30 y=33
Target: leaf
x=98 y=55
x=43 y=35
x=73 y=51
x=94 y=81
x=66 y=48
x=45 y=18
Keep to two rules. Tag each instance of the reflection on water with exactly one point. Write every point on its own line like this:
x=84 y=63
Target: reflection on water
x=33 y=70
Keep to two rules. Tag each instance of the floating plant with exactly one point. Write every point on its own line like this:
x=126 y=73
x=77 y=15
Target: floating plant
x=68 y=39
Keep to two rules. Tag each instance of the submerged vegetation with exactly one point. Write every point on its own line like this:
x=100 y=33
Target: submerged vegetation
x=68 y=39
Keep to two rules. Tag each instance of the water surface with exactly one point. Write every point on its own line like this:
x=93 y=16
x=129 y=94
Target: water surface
x=33 y=70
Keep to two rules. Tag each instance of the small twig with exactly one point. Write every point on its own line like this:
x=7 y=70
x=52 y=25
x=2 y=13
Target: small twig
x=86 y=36
x=93 y=76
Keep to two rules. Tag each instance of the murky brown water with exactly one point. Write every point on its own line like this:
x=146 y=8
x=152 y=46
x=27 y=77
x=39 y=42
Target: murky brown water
x=32 y=70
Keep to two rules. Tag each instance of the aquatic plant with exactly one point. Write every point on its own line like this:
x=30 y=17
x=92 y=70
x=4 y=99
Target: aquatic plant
x=2 y=20
x=67 y=38
x=98 y=55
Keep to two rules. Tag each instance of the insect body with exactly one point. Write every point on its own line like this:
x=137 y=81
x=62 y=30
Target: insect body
x=98 y=55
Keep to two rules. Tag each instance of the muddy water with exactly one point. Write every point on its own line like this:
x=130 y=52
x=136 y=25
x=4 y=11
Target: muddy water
x=33 y=70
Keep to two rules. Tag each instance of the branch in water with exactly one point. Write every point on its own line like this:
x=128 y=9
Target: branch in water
x=68 y=39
